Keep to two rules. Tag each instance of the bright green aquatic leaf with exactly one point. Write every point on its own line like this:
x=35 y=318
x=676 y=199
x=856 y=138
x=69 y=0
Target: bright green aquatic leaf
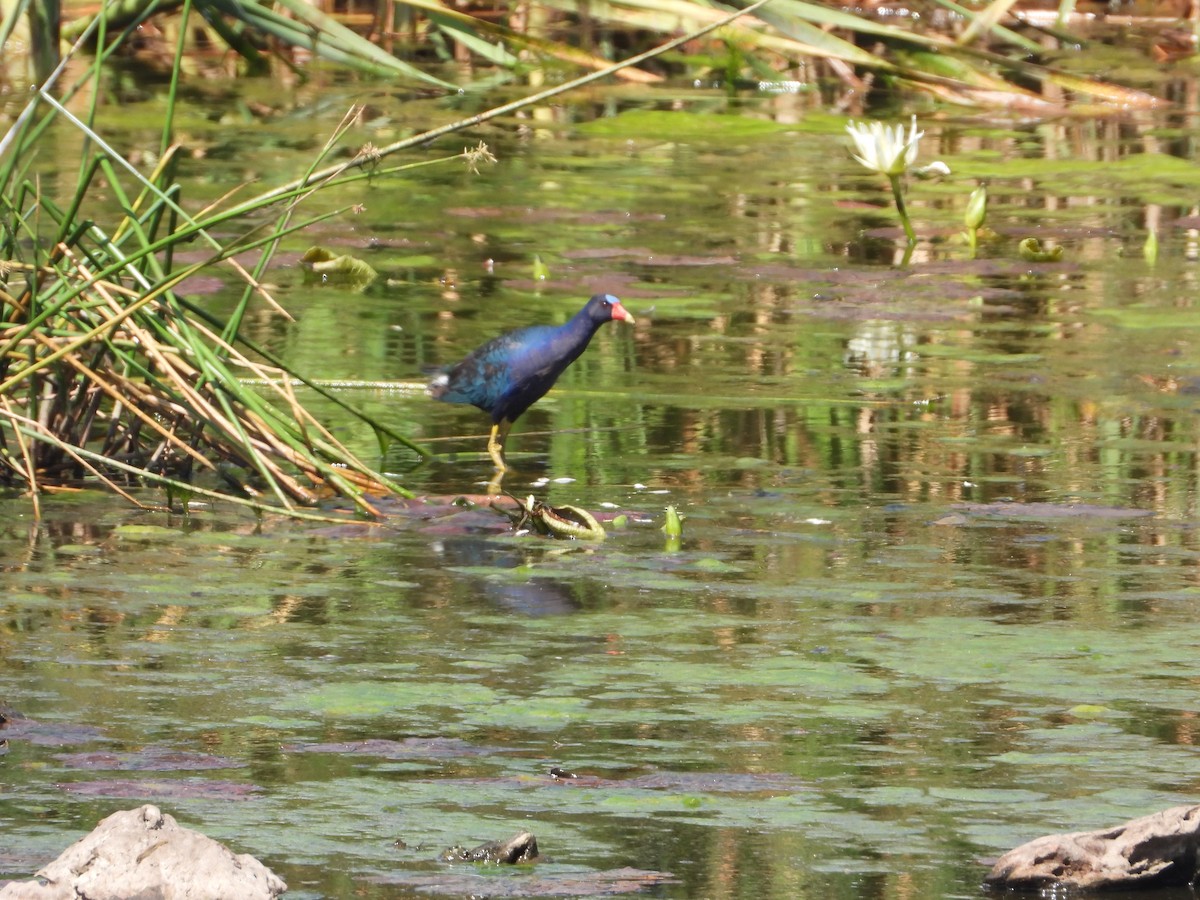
x=147 y=531
x=79 y=550
x=989 y=796
x=414 y=261
x=277 y=722
x=894 y=795
x=1149 y=317
x=1090 y=711
x=537 y=712
x=371 y=698
x=709 y=564
x=979 y=355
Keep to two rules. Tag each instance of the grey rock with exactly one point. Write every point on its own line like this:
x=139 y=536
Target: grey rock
x=1158 y=850
x=144 y=854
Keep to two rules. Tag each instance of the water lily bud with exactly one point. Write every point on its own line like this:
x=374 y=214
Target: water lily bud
x=976 y=208
x=1150 y=248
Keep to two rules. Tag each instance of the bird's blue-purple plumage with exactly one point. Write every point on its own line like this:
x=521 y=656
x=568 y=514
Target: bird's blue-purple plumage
x=508 y=374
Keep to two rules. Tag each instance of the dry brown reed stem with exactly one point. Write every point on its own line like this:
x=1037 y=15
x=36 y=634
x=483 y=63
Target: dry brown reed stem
x=304 y=420
x=282 y=387
x=150 y=346
x=210 y=415
x=30 y=470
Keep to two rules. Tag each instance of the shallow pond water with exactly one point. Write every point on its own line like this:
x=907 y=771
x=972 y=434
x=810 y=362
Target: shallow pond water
x=936 y=592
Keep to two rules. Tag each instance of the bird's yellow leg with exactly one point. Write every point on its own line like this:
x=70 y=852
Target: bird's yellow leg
x=496 y=449
x=496 y=444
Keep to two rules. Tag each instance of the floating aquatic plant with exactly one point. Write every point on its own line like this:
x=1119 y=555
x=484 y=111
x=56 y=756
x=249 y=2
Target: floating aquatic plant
x=325 y=266
x=555 y=521
x=1031 y=250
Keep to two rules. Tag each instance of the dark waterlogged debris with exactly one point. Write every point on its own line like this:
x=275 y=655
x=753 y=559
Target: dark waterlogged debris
x=590 y=884
x=1158 y=850
x=201 y=285
x=694 y=782
x=190 y=789
x=950 y=519
x=521 y=847
x=552 y=214
x=150 y=759
x=145 y=853
x=49 y=734
x=719 y=782
x=1052 y=510
x=462 y=515
x=536 y=598
x=735 y=783
x=663 y=259
x=606 y=253
x=409 y=748
x=934 y=296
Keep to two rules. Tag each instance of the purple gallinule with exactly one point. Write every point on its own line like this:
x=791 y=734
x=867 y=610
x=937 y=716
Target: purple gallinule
x=508 y=374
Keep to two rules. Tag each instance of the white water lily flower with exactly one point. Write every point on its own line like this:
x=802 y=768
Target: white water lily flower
x=885 y=149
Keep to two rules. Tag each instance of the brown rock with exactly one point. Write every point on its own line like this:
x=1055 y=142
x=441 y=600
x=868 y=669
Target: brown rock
x=145 y=853
x=1154 y=851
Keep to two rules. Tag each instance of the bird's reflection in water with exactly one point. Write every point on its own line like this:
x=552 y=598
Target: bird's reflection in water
x=535 y=597
x=496 y=483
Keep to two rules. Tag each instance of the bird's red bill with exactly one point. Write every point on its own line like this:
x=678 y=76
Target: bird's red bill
x=620 y=313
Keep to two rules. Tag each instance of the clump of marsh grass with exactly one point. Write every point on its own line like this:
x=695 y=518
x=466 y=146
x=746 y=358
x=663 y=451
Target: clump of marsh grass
x=107 y=374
